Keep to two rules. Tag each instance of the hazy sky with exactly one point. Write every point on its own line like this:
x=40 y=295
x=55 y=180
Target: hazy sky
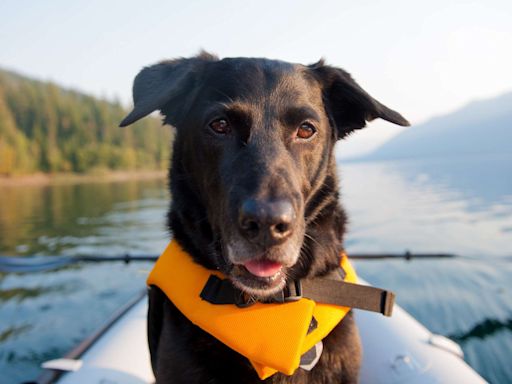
x=420 y=58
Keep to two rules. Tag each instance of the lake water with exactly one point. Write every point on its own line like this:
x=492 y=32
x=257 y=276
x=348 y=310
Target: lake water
x=459 y=205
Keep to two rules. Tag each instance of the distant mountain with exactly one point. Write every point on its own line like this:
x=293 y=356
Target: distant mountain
x=480 y=127
x=46 y=128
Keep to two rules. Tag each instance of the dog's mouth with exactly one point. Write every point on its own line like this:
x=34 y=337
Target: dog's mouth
x=263 y=267
x=259 y=277
x=261 y=271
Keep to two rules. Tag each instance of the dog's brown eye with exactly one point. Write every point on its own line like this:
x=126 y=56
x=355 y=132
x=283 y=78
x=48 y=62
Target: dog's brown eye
x=306 y=131
x=220 y=126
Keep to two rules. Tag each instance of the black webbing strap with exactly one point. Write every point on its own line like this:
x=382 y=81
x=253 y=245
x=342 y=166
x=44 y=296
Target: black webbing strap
x=326 y=291
x=220 y=291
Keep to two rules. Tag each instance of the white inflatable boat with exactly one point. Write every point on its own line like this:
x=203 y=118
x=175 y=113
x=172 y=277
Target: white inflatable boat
x=396 y=350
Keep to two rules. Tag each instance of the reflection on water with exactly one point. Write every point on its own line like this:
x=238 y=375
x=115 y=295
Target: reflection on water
x=483 y=330
x=458 y=205
x=461 y=206
x=45 y=314
x=81 y=217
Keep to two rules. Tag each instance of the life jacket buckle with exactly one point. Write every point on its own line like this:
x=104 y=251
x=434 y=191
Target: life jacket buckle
x=292 y=292
x=297 y=295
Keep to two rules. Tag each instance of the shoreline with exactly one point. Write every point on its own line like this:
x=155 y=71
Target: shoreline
x=42 y=179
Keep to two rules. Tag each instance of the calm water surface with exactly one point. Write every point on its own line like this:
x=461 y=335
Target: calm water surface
x=461 y=206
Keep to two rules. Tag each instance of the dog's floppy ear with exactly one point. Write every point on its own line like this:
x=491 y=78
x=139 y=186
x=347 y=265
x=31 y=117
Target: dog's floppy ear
x=160 y=84
x=350 y=105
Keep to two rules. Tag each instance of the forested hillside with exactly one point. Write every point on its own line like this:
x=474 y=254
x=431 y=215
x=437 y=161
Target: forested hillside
x=44 y=128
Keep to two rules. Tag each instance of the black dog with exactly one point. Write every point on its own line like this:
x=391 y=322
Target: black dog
x=255 y=195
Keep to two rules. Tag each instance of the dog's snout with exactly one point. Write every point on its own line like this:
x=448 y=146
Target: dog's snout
x=266 y=222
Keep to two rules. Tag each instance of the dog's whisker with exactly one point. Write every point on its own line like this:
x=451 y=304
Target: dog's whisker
x=311 y=238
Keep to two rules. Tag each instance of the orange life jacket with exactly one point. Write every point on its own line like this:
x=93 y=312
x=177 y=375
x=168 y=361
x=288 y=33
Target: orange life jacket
x=272 y=336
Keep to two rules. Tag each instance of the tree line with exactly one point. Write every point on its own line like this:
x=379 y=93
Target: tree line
x=45 y=128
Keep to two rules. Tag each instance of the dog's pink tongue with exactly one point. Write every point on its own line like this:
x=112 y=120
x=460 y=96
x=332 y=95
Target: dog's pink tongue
x=263 y=268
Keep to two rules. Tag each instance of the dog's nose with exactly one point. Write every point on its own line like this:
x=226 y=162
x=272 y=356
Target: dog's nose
x=266 y=223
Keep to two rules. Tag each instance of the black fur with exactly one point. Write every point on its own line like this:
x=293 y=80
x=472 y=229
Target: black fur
x=260 y=158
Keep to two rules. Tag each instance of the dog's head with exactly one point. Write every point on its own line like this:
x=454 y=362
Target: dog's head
x=252 y=177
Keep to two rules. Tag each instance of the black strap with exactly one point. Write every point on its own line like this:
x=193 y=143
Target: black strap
x=321 y=290
x=220 y=291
